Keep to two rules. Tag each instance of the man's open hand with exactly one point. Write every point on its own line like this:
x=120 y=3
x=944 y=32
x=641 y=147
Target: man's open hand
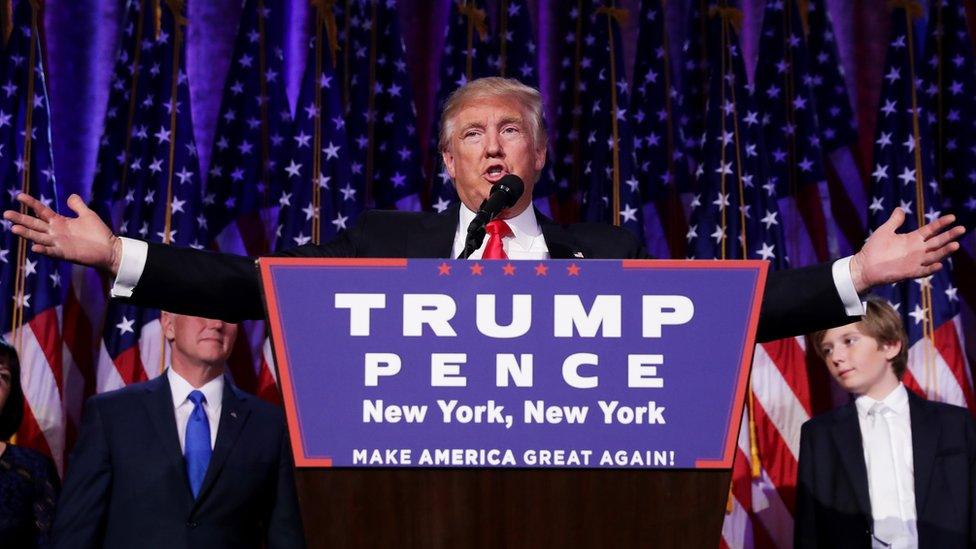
x=84 y=239
x=888 y=257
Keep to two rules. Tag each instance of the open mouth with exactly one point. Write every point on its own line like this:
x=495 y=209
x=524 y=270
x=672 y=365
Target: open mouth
x=495 y=172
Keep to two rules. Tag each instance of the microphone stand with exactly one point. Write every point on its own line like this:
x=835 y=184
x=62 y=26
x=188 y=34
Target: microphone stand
x=476 y=233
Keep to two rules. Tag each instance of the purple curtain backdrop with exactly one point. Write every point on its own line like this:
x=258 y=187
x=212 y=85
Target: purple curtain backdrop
x=82 y=36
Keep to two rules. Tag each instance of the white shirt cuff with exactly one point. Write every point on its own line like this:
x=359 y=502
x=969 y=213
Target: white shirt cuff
x=841 y=270
x=133 y=262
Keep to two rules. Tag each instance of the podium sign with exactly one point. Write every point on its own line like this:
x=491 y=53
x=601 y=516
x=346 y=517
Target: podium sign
x=579 y=364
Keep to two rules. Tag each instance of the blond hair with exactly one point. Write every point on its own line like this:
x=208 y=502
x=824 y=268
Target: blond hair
x=881 y=322
x=527 y=97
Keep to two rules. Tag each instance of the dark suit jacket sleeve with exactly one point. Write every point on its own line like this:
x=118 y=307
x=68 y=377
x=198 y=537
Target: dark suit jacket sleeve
x=79 y=520
x=800 y=301
x=285 y=524
x=224 y=286
x=805 y=522
x=217 y=285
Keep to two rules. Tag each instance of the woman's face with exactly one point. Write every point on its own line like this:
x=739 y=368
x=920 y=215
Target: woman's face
x=5 y=381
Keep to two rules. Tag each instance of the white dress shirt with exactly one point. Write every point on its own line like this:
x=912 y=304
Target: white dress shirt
x=893 y=498
x=213 y=390
x=527 y=242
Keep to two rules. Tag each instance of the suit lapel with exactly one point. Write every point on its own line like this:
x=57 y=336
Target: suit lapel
x=159 y=406
x=926 y=431
x=847 y=439
x=234 y=412
x=435 y=235
x=561 y=244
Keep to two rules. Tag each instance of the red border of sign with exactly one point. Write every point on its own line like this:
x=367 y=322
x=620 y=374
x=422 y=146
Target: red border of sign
x=278 y=340
x=287 y=388
x=745 y=365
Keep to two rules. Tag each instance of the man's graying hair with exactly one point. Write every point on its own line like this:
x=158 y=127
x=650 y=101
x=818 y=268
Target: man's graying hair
x=495 y=87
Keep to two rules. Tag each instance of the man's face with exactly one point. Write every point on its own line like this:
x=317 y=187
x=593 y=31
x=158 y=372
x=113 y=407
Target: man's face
x=857 y=361
x=198 y=341
x=490 y=138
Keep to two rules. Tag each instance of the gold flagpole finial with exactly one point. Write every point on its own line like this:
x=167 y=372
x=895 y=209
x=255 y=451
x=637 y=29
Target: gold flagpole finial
x=325 y=15
x=619 y=14
x=913 y=7
x=804 y=7
x=730 y=15
x=178 y=8
x=476 y=16
x=6 y=20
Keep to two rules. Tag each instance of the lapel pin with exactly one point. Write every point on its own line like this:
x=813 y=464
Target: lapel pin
x=233 y=414
x=578 y=254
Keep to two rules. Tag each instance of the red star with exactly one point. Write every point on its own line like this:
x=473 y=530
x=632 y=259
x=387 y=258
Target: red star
x=443 y=269
x=477 y=269
x=509 y=269
x=541 y=270
x=573 y=270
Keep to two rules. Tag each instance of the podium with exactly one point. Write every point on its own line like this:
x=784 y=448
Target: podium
x=438 y=403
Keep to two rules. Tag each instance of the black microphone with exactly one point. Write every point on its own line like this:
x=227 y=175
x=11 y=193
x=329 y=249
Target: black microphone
x=504 y=194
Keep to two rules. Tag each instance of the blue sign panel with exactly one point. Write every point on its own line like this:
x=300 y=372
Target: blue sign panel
x=434 y=363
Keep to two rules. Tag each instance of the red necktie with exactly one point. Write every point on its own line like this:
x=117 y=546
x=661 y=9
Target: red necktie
x=497 y=230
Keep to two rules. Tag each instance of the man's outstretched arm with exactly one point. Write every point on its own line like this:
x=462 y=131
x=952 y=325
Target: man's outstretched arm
x=84 y=239
x=887 y=256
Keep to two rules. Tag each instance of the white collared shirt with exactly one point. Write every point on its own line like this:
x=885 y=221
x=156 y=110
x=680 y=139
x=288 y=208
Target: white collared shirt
x=900 y=428
x=526 y=241
x=213 y=390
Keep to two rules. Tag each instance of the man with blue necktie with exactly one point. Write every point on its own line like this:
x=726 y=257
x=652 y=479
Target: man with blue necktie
x=183 y=460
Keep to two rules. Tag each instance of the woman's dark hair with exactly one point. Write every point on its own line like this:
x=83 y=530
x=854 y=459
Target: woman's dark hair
x=13 y=410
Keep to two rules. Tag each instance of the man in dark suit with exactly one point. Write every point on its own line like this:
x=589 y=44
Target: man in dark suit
x=888 y=469
x=183 y=460
x=491 y=127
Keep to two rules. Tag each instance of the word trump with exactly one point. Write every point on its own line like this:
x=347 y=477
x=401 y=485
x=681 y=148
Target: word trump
x=570 y=317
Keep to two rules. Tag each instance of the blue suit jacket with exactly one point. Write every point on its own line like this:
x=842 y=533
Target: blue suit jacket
x=126 y=484
x=833 y=508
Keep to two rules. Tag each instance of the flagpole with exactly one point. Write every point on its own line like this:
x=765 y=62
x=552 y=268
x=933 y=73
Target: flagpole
x=502 y=42
x=137 y=54
x=614 y=13
x=913 y=10
x=371 y=109
x=20 y=282
x=316 y=128
x=265 y=141
x=674 y=215
x=176 y=8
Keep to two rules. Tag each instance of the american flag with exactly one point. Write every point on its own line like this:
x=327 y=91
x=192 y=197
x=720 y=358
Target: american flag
x=323 y=193
x=694 y=78
x=794 y=151
x=950 y=72
x=31 y=302
x=244 y=178
x=161 y=195
x=380 y=112
x=736 y=216
x=654 y=115
x=847 y=227
x=467 y=48
x=609 y=188
x=85 y=302
x=516 y=56
x=905 y=177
